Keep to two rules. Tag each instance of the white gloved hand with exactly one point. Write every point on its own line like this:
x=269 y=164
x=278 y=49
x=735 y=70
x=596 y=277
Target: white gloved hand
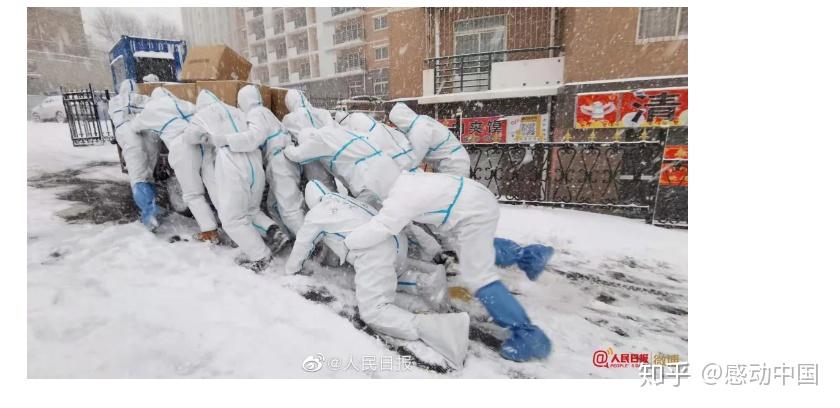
x=194 y=137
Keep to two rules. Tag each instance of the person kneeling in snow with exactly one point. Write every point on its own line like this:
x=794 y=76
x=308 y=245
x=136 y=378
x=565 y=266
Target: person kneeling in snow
x=330 y=218
x=140 y=150
x=168 y=117
x=433 y=143
x=240 y=178
x=267 y=135
x=469 y=213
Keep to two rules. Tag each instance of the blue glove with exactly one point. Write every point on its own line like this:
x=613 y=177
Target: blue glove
x=144 y=197
x=531 y=259
x=527 y=341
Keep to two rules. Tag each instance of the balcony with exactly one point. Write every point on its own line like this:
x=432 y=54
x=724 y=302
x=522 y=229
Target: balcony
x=348 y=34
x=277 y=54
x=253 y=12
x=341 y=10
x=296 y=22
x=474 y=72
x=350 y=64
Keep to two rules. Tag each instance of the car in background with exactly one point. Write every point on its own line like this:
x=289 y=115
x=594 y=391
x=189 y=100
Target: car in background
x=51 y=108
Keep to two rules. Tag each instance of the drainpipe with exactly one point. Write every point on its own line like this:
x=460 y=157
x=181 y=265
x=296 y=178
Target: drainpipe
x=551 y=32
x=437 y=32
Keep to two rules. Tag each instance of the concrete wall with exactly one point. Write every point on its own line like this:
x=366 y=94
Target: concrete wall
x=600 y=43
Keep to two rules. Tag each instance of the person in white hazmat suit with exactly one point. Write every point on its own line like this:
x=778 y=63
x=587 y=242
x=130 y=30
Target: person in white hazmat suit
x=433 y=143
x=140 y=150
x=352 y=157
x=240 y=181
x=330 y=218
x=469 y=213
x=392 y=142
x=168 y=117
x=267 y=135
x=303 y=115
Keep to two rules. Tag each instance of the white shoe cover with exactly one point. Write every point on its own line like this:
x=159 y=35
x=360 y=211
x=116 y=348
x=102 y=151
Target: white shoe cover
x=448 y=334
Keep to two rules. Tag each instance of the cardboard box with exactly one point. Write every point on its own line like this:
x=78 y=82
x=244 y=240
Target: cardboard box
x=183 y=91
x=214 y=63
x=278 y=102
x=227 y=90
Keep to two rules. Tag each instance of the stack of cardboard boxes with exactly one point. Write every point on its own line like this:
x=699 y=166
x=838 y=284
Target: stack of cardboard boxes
x=222 y=71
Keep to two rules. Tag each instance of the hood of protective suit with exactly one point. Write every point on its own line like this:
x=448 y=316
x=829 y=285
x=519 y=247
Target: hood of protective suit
x=402 y=116
x=248 y=98
x=341 y=116
x=205 y=98
x=127 y=86
x=295 y=101
x=314 y=192
x=297 y=122
x=160 y=92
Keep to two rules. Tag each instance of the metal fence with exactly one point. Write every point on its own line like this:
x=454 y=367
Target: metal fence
x=87 y=116
x=613 y=177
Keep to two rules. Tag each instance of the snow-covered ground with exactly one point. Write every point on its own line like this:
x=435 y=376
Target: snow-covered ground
x=109 y=299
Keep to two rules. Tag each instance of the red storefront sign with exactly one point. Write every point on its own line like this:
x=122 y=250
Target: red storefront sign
x=674 y=174
x=676 y=152
x=484 y=130
x=646 y=107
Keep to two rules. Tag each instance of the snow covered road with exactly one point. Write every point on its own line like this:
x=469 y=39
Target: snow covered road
x=106 y=298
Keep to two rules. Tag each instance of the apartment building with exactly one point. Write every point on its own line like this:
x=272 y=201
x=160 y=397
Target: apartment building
x=58 y=54
x=215 y=25
x=330 y=52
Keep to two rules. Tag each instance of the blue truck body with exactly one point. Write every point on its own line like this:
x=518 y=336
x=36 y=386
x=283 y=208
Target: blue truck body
x=136 y=57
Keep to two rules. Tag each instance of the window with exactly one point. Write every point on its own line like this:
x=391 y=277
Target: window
x=380 y=53
x=662 y=23
x=380 y=88
x=380 y=22
x=483 y=34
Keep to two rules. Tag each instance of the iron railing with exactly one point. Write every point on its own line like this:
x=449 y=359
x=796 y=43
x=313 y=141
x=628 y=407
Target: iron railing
x=471 y=72
x=87 y=116
x=349 y=64
x=613 y=177
x=348 y=34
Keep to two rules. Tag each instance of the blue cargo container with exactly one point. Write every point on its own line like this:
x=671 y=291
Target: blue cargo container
x=136 y=57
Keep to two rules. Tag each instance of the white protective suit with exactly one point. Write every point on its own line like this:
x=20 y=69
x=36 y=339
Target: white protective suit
x=332 y=217
x=432 y=142
x=303 y=115
x=392 y=142
x=358 y=162
x=454 y=206
x=168 y=117
x=140 y=150
x=240 y=177
x=267 y=135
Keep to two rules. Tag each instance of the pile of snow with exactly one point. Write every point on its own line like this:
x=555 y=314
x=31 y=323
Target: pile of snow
x=114 y=300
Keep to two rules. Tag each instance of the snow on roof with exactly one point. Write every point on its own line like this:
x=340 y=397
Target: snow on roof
x=153 y=54
x=489 y=94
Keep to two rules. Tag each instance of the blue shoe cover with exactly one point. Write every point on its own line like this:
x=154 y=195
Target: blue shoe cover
x=531 y=259
x=527 y=341
x=507 y=251
x=144 y=198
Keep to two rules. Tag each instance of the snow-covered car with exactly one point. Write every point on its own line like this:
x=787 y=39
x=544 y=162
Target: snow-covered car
x=51 y=108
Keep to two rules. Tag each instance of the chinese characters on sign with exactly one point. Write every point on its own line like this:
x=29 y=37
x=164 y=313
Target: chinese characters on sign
x=500 y=129
x=484 y=130
x=640 y=108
